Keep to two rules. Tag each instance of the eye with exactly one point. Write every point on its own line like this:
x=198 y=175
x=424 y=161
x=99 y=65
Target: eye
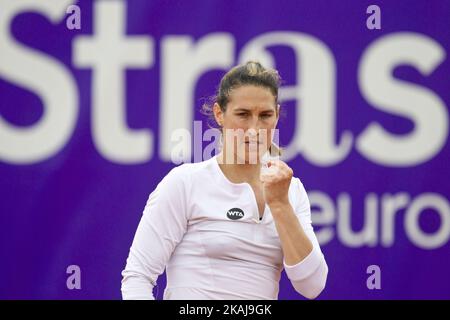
x=242 y=114
x=266 y=115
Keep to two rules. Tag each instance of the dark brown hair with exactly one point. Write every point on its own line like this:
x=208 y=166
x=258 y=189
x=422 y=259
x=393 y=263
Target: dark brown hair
x=250 y=73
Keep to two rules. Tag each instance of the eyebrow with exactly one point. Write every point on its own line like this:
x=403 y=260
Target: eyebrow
x=248 y=110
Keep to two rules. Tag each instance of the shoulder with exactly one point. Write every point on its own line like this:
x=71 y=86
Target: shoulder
x=187 y=172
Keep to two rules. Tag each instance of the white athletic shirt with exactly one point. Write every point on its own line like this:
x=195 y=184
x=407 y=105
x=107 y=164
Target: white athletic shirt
x=205 y=230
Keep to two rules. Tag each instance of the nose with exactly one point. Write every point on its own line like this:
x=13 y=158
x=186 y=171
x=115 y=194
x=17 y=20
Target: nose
x=254 y=126
x=252 y=133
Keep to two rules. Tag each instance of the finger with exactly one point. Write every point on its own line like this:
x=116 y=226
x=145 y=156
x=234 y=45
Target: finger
x=269 y=174
x=267 y=177
x=283 y=168
x=270 y=170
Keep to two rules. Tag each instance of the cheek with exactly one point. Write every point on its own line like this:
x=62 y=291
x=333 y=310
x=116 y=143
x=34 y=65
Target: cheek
x=269 y=126
x=236 y=125
x=234 y=131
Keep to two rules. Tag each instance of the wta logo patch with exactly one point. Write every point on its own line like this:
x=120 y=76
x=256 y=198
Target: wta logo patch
x=235 y=214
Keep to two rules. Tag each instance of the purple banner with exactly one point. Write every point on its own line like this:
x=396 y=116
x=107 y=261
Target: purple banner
x=91 y=93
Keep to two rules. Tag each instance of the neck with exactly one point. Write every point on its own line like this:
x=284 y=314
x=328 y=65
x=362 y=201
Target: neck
x=239 y=172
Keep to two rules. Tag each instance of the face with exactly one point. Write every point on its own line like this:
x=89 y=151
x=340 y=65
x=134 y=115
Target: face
x=248 y=123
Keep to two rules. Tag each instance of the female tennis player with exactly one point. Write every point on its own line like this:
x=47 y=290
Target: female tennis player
x=226 y=227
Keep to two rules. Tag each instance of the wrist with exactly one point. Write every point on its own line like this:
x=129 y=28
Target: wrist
x=279 y=205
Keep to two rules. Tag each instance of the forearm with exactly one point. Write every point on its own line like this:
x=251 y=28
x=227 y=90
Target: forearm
x=295 y=243
x=303 y=261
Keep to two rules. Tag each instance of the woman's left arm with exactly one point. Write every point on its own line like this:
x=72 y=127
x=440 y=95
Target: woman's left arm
x=304 y=262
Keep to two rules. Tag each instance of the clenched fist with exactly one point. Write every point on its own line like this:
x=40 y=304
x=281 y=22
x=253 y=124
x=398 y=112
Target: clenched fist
x=276 y=179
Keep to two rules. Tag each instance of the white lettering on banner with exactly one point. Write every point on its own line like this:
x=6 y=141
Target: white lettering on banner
x=110 y=51
x=184 y=62
x=413 y=229
x=422 y=106
x=379 y=214
x=315 y=69
x=27 y=68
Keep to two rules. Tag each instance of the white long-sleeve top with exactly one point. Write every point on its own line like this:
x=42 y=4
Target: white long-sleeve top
x=206 y=231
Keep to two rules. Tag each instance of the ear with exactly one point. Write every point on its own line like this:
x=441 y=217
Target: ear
x=218 y=114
